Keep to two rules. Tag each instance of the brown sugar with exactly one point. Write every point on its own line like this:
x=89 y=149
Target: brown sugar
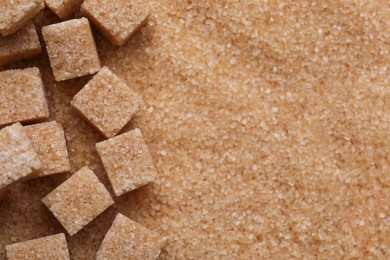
x=63 y=8
x=15 y=14
x=48 y=140
x=107 y=102
x=118 y=20
x=22 y=96
x=79 y=200
x=268 y=123
x=50 y=247
x=21 y=45
x=71 y=48
x=18 y=159
x=127 y=161
x=126 y=239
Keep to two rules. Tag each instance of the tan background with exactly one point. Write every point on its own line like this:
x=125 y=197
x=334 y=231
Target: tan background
x=268 y=122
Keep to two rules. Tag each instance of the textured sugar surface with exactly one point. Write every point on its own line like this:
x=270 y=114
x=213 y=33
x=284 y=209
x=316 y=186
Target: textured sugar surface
x=63 y=8
x=21 y=45
x=50 y=247
x=118 y=20
x=18 y=158
x=126 y=239
x=107 y=102
x=48 y=140
x=71 y=49
x=127 y=161
x=16 y=13
x=79 y=200
x=268 y=124
x=22 y=96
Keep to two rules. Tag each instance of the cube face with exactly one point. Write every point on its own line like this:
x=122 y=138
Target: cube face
x=22 y=96
x=71 y=48
x=127 y=239
x=21 y=45
x=127 y=161
x=107 y=102
x=16 y=13
x=78 y=200
x=18 y=159
x=63 y=8
x=118 y=20
x=48 y=140
x=51 y=247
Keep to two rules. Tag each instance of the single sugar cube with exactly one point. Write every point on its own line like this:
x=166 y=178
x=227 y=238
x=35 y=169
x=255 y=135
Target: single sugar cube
x=18 y=159
x=78 y=200
x=48 y=140
x=117 y=20
x=127 y=239
x=16 y=13
x=63 y=8
x=71 y=48
x=21 y=45
x=107 y=102
x=22 y=96
x=50 y=247
x=127 y=161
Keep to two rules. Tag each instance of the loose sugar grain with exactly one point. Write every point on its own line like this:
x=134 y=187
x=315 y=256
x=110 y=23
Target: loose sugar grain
x=48 y=139
x=127 y=161
x=22 y=96
x=79 y=200
x=21 y=45
x=118 y=20
x=126 y=239
x=63 y=8
x=71 y=48
x=45 y=248
x=107 y=102
x=18 y=159
x=16 y=13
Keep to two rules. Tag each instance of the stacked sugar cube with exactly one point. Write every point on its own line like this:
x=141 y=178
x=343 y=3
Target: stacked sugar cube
x=38 y=147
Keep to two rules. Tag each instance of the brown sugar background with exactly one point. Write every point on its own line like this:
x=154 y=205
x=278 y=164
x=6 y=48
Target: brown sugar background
x=268 y=124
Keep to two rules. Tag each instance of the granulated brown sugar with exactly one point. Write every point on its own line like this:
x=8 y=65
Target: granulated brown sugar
x=51 y=247
x=268 y=123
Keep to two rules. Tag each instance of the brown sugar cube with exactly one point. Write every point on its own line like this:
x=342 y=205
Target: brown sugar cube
x=107 y=102
x=63 y=8
x=45 y=248
x=22 y=96
x=127 y=161
x=49 y=141
x=18 y=159
x=71 y=48
x=16 y=13
x=118 y=20
x=21 y=45
x=127 y=239
x=78 y=200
